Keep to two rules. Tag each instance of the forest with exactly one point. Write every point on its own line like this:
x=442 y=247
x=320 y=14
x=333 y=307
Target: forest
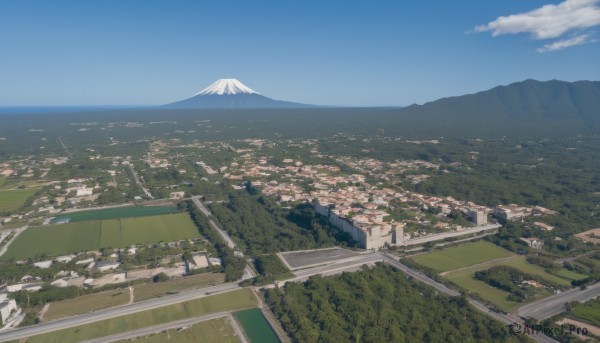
x=378 y=304
x=261 y=226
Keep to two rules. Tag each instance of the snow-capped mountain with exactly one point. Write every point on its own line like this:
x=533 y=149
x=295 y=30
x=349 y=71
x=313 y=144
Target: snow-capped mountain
x=231 y=93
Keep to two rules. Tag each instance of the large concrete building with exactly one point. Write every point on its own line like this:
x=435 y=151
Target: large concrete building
x=368 y=237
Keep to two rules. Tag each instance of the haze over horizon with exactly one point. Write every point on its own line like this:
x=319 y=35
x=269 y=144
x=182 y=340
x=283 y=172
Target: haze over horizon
x=354 y=54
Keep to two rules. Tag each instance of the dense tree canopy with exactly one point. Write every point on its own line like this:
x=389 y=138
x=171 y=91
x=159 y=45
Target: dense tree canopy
x=378 y=305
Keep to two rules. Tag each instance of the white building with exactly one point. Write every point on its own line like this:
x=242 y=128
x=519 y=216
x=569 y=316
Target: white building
x=371 y=237
x=43 y=264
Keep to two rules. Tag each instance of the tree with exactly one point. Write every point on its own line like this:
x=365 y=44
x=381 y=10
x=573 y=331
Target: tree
x=160 y=277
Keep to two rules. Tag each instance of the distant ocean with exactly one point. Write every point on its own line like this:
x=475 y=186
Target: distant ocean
x=7 y=110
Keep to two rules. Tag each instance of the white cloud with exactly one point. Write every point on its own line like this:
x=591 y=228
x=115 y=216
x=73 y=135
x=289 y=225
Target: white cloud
x=565 y=43
x=549 y=21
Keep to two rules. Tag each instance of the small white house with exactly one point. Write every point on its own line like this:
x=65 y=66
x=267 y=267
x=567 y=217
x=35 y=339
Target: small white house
x=60 y=283
x=65 y=259
x=43 y=264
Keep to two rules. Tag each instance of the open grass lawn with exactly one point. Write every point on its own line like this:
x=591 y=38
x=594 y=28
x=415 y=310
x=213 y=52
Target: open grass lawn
x=461 y=256
x=67 y=238
x=87 y=303
x=464 y=278
x=54 y=240
x=168 y=228
x=159 y=289
x=239 y=299
x=255 y=326
x=494 y=295
x=12 y=199
x=589 y=312
x=115 y=213
x=216 y=330
x=569 y=274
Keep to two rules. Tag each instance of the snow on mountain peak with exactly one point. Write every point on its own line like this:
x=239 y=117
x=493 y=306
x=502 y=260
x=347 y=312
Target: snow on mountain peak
x=226 y=86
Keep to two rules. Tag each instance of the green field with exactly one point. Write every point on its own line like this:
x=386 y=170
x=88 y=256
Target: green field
x=255 y=326
x=68 y=238
x=115 y=213
x=216 y=330
x=87 y=303
x=159 y=289
x=494 y=295
x=569 y=274
x=239 y=299
x=461 y=256
x=12 y=199
x=590 y=312
x=464 y=278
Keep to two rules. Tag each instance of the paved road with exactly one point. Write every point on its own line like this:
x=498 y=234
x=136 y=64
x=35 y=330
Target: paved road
x=213 y=225
x=419 y=276
x=69 y=322
x=158 y=328
x=336 y=267
x=450 y=234
x=137 y=180
x=555 y=304
x=17 y=233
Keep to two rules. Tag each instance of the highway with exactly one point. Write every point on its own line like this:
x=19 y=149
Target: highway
x=555 y=304
x=14 y=334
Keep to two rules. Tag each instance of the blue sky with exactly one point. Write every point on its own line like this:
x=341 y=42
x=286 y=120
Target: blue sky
x=361 y=53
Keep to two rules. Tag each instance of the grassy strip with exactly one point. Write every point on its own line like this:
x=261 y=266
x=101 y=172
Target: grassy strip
x=216 y=330
x=461 y=256
x=239 y=299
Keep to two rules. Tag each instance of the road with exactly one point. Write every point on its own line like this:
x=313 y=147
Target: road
x=336 y=267
x=17 y=233
x=213 y=225
x=139 y=183
x=14 y=334
x=555 y=304
x=450 y=234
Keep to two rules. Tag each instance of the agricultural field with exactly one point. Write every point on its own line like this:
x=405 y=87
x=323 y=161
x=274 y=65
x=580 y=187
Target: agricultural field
x=93 y=235
x=255 y=326
x=13 y=199
x=159 y=289
x=87 y=303
x=115 y=213
x=216 y=330
x=461 y=256
x=236 y=300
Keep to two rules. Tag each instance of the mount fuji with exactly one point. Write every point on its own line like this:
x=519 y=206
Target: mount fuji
x=231 y=93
